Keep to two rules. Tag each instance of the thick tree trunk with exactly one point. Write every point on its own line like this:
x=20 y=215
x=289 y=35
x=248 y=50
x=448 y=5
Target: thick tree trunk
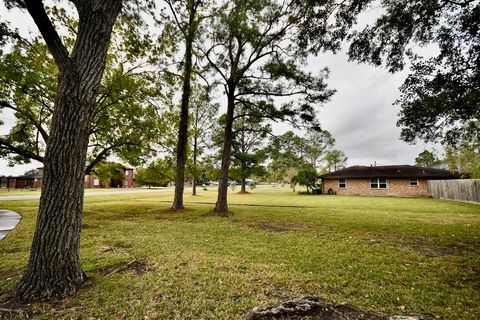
x=54 y=271
x=194 y=176
x=183 y=125
x=244 y=186
x=221 y=206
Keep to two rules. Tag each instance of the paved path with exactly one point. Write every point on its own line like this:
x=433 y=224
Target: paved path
x=89 y=194
x=8 y=221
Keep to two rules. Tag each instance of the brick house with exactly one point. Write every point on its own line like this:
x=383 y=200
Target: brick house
x=402 y=180
x=91 y=181
x=21 y=182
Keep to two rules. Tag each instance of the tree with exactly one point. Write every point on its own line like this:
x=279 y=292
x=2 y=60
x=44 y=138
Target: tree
x=188 y=28
x=316 y=143
x=157 y=173
x=307 y=176
x=248 y=154
x=250 y=52
x=287 y=153
x=108 y=171
x=464 y=157
x=203 y=116
x=125 y=123
x=427 y=159
x=442 y=93
x=335 y=159
x=30 y=173
x=464 y=160
x=54 y=269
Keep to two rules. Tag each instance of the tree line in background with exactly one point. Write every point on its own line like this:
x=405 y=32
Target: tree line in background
x=136 y=80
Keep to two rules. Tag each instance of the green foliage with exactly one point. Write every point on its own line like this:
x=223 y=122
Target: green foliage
x=316 y=143
x=442 y=93
x=108 y=171
x=336 y=159
x=286 y=155
x=158 y=173
x=464 y=159
x=307 y=176
x=427 y=159
x=248 y=154
x=125 y=124
x=203 y=121
x=31 y=173
x=252 y=57
x=289 y=152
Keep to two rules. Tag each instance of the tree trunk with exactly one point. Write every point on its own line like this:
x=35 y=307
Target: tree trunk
x=194 y=176
x=183 y=125
x=53 y=270
x=244 y=186
x=221 y=206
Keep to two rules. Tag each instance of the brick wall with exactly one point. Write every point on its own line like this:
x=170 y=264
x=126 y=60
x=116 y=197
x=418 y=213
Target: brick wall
x=395 y=187
x=128 y=183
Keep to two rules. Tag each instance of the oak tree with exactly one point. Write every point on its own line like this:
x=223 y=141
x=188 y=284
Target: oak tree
x=125 y=123
x=54 y=269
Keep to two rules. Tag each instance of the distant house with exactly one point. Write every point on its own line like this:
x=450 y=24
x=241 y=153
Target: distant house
x=92 y=181
x=21 y=182
x=402 y=180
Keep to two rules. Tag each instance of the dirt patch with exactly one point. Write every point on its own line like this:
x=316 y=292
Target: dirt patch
x=430 y=249
x=7 y=275
x=311 y=308
x=137 y=266
x=13 y=311
x=243 y=192
x=277 y=227
x=315 y=308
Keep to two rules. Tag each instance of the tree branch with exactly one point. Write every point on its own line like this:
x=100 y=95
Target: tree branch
x=10 y=148
x=49 y=34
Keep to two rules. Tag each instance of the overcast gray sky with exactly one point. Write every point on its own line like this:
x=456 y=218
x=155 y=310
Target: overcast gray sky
x=360 y=115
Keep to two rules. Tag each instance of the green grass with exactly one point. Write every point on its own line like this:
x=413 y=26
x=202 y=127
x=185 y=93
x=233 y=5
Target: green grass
x=381 y=254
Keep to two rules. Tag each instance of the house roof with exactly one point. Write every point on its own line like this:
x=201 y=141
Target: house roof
x=402 y=171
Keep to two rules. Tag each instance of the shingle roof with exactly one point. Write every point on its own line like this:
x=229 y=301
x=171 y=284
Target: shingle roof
x=402 y=171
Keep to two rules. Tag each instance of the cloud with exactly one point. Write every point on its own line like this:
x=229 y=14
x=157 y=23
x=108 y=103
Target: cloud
x=361 y=115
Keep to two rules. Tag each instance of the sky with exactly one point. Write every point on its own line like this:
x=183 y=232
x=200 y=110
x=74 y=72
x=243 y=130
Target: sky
x=360 y=116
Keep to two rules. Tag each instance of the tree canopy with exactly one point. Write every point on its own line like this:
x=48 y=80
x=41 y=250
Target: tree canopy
x=125 y=121
x=442 y=93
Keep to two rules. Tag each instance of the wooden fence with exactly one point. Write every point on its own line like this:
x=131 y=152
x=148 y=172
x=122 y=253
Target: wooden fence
x=467 y=190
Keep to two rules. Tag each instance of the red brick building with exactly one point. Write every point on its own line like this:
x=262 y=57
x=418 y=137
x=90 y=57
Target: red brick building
x=21 y=182
x=91 y=181
x=403 y=180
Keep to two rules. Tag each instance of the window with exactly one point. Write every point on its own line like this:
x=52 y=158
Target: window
x=342 y=183
x=414 y=182
x=378 y=183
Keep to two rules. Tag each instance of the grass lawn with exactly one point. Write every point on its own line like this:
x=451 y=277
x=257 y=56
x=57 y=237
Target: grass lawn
x=390 y=255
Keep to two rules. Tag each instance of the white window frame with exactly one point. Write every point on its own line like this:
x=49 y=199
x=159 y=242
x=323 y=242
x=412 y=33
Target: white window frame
x=378 y=183
x=416 y=182
x=344 y=184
